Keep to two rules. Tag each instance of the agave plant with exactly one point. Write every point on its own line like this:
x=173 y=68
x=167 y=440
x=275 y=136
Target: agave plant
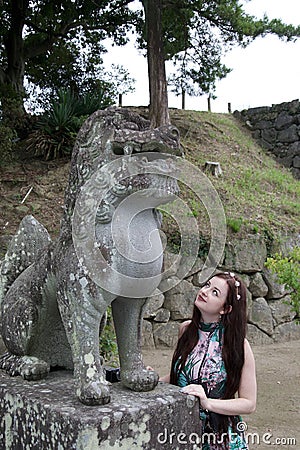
x=57 y=128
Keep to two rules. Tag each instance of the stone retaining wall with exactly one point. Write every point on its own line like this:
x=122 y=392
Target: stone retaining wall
x=277 y=128
x=270 y=318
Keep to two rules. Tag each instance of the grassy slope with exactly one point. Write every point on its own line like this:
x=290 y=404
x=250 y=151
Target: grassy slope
x=258 y=195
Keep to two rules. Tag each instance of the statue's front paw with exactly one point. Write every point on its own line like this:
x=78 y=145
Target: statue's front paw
x=140 y=380
x=29 y=367
x=94 y=393
x=32 y=368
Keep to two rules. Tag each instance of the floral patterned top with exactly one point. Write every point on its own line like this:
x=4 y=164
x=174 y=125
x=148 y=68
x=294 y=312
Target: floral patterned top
x=205 y=366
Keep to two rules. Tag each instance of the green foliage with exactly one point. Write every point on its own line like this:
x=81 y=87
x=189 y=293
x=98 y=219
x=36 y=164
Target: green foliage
x=287 y=269
x=197 y=33
x=13 y=114
x=174 y=242
x=199 y=66
x=252 y=187
x=58 y=43
x=108 y=341
x=204 y=245
x=57 y=128
x=68 y=66
x=235 y=224
x=194 y=206
x=61 y=43
x=120 y=79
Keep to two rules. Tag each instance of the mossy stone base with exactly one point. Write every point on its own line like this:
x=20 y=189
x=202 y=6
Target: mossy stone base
x=47 y=415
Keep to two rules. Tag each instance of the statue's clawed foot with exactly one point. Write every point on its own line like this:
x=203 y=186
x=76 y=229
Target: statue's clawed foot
x=140 y=380
x=94 y=393
x=29 y=367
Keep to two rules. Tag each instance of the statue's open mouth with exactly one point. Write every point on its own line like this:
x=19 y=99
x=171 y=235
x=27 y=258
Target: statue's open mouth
x=152 y=175
x=147 y=166
x=128 y=141
x=152 y=163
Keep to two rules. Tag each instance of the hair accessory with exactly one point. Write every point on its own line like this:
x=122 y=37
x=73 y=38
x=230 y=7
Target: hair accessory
x=236 y=283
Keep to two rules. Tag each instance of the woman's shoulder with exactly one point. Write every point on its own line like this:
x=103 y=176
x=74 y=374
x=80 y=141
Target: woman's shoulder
x=248 y=350
x=183 y=326
x=247 y=345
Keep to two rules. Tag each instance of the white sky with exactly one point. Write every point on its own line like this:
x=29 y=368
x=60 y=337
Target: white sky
x=266 y=72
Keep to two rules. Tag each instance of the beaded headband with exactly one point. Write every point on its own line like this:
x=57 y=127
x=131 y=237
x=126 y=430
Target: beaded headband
x=236 y=283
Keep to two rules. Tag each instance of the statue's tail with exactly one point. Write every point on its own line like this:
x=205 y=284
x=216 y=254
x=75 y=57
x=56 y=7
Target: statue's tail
x=23 y=250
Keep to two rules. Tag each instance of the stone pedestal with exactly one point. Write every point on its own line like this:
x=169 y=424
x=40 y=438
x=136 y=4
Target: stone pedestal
x=46 y=415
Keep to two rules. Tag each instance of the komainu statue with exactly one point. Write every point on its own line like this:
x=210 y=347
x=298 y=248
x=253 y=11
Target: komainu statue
x=109 y=251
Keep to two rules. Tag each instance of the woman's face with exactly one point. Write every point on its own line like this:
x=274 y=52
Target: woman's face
x=211 y=299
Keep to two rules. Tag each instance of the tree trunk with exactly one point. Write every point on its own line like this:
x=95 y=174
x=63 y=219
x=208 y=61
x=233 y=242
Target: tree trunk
x=12 y=78
x=159 y=112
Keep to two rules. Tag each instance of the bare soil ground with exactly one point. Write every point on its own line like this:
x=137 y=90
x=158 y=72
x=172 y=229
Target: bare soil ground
x=32 y=187
x=276 y=422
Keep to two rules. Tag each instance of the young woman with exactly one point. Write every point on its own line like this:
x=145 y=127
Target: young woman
x=213 y=361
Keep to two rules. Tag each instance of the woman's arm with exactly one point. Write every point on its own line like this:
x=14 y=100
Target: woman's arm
x=245 y=403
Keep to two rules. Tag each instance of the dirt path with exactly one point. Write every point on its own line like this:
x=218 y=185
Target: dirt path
x=276 y=422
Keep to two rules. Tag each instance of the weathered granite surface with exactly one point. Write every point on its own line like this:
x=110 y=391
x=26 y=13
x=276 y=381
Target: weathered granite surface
x=47 y=415
x=54 y=294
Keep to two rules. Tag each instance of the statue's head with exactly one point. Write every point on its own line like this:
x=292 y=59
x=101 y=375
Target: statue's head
x=118 y=147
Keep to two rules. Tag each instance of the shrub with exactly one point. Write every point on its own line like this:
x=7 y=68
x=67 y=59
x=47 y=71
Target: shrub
x=235 y=224
x=57 y=128
x=287 y=269
x=108 y=341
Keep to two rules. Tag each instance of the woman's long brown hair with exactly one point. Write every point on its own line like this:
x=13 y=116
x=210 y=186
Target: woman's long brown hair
x=235 y=323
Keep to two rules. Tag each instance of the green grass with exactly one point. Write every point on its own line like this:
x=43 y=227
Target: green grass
x=258 y=194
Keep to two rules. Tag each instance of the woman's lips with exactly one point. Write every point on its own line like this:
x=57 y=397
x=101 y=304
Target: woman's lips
x=201 y=299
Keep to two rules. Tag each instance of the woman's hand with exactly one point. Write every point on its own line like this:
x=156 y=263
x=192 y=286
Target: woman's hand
x=164 y=379
x=198 y=391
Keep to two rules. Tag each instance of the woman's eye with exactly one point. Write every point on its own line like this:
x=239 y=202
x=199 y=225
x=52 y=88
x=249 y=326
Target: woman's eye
x=215 y=292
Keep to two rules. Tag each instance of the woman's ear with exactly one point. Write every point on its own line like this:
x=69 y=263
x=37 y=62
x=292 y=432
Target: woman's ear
x=226 y=310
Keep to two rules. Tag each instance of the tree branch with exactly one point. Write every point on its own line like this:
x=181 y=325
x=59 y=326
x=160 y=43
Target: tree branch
x=30 y=51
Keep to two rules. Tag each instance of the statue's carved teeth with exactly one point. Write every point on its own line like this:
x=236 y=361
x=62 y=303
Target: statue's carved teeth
x=128 y=149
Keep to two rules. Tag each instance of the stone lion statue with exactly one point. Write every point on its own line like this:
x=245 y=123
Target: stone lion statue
x=51 y=299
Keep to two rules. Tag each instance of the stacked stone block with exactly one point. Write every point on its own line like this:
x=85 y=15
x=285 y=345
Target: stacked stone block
x=270 y=317
x=277 y=128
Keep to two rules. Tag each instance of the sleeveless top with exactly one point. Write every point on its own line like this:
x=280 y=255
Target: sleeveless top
x=205 y=366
